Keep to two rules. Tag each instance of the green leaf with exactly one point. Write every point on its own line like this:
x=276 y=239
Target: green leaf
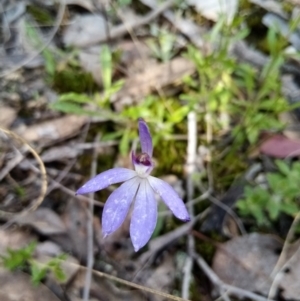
x=38 y=272
x=72 y=108
x=254 y=203
x=272 y=40
x=124 y=144
x=18 y=258
x=274 y=207
x=283 y=167
x=74 y=97
x=106 y=66
x=50 y=62
x=290 y=208
x=59 y=273
x=275 y=181
x=179 y=114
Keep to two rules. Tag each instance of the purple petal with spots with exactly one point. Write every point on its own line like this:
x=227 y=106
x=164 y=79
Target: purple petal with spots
x=106 y=178
x=144 y=216
x=145 y=138
x=117 y=206
x=170 y=197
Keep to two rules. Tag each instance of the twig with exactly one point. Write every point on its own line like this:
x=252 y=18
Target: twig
x=190 y=168
x=230 y=212
x=72 y=193
x=282 y=261
x=11 y=165
x=140 y=287
x=187 y=275
x=191 y=158
x=42 y=171
x=123 y=29
x=240 y=262
x=223 y=287
x=128 y=283
x=92 y=145
x=131 y=33
x=66 y=170
x=186 y=27
x=90 y=232
x=281 y=273
x=224 y=297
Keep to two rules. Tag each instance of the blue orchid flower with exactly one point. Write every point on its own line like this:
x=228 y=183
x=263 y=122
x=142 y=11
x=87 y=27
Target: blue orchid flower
x=138 y=187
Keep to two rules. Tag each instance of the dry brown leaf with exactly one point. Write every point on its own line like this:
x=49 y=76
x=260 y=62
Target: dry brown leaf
x=54 y=130
x=279 y=146
x=117 y=245
x=17 y=286
x=161 y=278
x=75 y=220
x=153 y=78
x=85 y=30
x=7 y=116
x=14 y=239
x=43 y=220
x=60 y=153
x=48 y=248
x=136 y=55
x=89 y=59
x=248 y=261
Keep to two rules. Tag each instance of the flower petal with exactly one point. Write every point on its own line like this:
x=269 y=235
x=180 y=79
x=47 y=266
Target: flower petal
x=145 y=137
x=117 y=206
x=170 y=197
x=106 y=178
x=144 y=216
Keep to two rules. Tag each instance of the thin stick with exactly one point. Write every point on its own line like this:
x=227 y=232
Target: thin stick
x=230 y=212
x=191 y=167
x=90 y=232
x=282 y=261
x=140 y=287
x=42 y=171
x=67 y=169
x=72 y=193
x=123 y=29
x=128 y=283
x=223 y=287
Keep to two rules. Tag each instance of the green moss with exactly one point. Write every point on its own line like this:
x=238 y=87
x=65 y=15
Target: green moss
x=40 y=15
x=288 y=7
x=206 y=249
x=170 y=155
x=228 y=168
x=73 y=79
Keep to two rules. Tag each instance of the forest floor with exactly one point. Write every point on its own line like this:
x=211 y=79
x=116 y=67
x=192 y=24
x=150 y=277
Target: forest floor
x=217 y=83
